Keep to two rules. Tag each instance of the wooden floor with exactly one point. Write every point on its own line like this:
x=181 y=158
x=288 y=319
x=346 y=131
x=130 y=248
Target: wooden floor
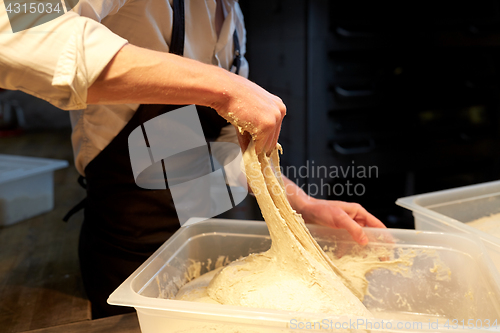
x=40 y=283
x=127 y=323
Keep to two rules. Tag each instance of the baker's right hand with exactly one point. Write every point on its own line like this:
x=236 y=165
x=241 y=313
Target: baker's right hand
x=253 y=110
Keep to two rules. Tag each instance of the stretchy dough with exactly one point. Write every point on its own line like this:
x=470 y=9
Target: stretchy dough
x=294 y=274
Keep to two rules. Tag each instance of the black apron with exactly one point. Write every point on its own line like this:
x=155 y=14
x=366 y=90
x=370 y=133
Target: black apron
x=123 y=223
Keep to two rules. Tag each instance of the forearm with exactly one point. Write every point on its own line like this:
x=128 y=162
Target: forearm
x=137 y=75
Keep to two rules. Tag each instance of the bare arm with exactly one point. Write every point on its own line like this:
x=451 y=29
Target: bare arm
x=137 y=75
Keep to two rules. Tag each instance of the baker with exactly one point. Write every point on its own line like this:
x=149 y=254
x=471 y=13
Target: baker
x=117 y=64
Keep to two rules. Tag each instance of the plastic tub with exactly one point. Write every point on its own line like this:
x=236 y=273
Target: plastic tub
x=26 y=187
x=472 y=290
x=449 y=210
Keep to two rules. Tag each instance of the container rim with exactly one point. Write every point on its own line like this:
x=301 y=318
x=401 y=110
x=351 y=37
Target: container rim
x=410 y=203
x=124 y=295
x=47 y=165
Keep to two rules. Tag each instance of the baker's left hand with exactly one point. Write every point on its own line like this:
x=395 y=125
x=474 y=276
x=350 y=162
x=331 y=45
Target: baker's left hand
x=340 y=215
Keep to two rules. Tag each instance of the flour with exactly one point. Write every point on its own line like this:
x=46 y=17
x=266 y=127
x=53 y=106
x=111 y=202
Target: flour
x=294 y=274
x=489 y=224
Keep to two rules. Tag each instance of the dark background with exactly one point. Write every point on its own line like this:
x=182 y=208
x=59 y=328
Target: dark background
x=411 y=89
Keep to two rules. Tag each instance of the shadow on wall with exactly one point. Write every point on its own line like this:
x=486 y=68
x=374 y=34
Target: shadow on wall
x=38 y=114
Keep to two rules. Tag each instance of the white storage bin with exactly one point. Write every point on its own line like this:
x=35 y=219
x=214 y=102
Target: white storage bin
x=448 y=211
x=26 y=187
x=471 y=291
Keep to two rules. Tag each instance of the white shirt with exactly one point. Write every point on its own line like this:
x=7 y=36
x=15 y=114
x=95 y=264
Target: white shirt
x=59 y=60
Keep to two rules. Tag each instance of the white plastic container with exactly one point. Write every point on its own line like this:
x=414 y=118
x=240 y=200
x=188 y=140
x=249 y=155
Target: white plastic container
x=470 y=291
x=26 y=187
x=449 y=210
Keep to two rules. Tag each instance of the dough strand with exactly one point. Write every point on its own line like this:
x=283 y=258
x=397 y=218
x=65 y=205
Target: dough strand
x=295 y=274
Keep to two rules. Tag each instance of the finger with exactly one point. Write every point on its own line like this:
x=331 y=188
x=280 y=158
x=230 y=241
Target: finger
x=272 y=142
x=361 y=215
x=260 y=143
x=370 y=220
x=281 y=112
x=276 y=135
x=281 y=106
x=353 y=228
x=269 y=142
x=272 y=132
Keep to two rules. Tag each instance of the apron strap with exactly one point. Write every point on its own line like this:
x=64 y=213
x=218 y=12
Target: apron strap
x=81 y=205
x=178 y=36
x=178 y=29
x=75 y=209
x=237 y=54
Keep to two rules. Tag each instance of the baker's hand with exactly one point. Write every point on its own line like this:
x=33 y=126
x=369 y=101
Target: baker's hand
x=341 y=215
x=142 y=76
x=331 y=213
x=252 y=110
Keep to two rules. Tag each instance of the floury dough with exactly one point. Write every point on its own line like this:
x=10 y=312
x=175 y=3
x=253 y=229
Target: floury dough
x=295 y=274
x=489 y=224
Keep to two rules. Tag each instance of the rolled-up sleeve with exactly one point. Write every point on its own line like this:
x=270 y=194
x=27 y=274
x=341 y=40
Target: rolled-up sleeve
x=56 y=61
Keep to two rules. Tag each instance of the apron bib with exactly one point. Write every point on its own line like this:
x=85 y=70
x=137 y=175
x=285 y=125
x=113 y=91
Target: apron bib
x=123 y=223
